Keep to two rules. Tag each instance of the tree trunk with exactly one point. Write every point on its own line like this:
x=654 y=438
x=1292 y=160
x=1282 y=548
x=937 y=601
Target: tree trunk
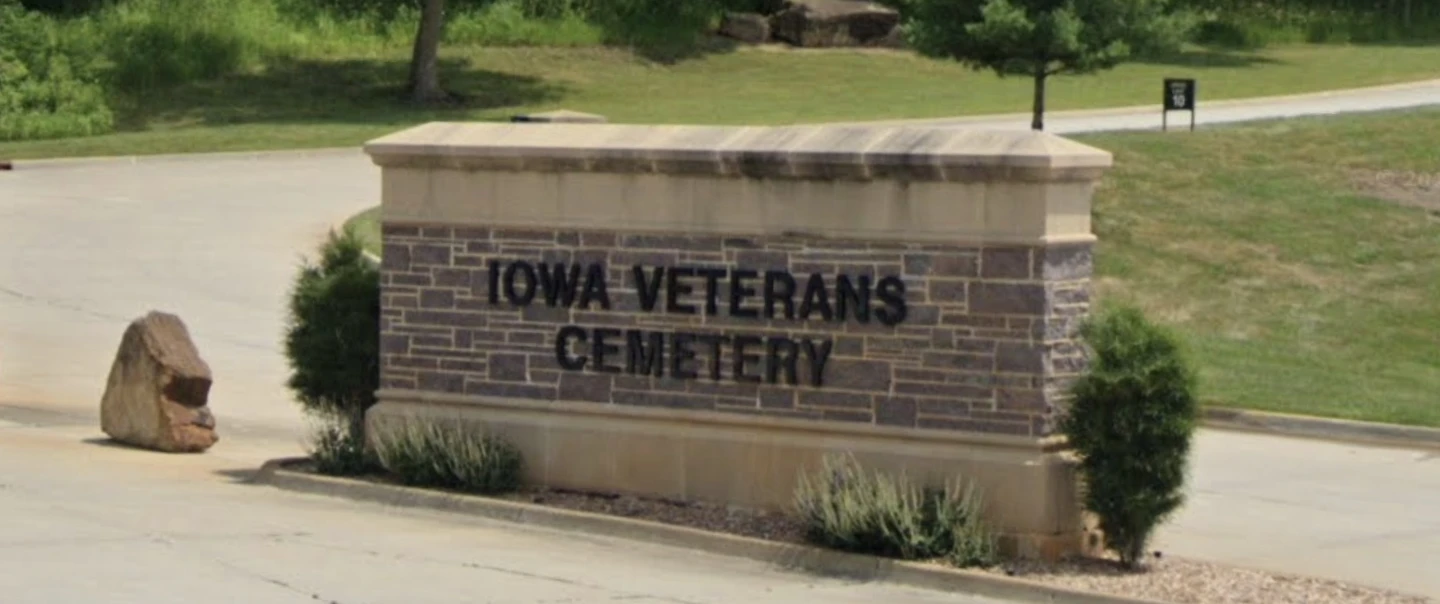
x=1038 y=122
x=424 y=63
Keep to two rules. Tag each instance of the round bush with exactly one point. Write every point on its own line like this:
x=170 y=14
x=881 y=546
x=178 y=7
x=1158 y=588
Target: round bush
x=333 y=338
x=1131 y=421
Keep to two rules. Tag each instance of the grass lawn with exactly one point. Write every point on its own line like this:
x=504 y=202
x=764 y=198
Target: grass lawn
x=344 y=100
x=1300 y=259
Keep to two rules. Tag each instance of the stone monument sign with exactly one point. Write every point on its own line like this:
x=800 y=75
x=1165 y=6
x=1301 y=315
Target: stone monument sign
x=703 y=312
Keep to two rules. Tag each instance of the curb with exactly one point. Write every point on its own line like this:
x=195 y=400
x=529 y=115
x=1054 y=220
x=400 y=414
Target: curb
x=66 y=162
x=277 y=473
x=1319 y=428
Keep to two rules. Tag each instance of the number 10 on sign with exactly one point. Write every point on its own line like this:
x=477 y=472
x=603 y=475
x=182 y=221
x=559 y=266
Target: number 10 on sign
x=1179 y=95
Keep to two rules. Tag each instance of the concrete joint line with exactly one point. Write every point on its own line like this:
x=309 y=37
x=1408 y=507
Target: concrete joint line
x=278 y=473
x=1336 y=430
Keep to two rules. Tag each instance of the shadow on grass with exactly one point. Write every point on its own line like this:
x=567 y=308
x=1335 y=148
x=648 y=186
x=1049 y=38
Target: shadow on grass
x=675 y=52
x=1209 y=57
x=350 y=91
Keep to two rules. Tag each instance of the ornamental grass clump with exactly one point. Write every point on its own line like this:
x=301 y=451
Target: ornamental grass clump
x=1131 y=421
x=446 y=455
x=846 y=508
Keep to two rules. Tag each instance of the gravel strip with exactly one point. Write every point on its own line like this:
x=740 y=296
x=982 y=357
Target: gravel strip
x=1163 y=578
x=1182 y=581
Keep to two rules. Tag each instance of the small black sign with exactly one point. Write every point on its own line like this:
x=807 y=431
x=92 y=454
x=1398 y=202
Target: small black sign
x=1179 y=95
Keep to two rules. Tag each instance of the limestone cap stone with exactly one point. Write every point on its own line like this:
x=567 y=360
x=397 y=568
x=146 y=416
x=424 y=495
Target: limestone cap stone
x=787 y=152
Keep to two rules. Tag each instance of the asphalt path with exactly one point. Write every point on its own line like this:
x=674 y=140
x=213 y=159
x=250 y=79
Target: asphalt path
x=90 y=245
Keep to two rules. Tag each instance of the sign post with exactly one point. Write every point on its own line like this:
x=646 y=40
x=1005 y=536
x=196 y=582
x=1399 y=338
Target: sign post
x=1179 y=95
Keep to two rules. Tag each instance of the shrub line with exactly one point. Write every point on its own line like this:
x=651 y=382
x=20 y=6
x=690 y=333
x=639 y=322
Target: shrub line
x=1322 y=428
x=281 y=473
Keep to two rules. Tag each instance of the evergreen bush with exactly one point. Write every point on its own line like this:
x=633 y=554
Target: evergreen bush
x=1131 y=421
x=846 y=508
x=332 y=343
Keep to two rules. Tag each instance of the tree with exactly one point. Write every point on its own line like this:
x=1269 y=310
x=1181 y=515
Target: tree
x=424 y=85
x=1042 y=38
x=1131 y=421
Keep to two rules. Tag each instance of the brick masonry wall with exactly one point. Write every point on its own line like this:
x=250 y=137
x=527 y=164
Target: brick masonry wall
x=987 y=344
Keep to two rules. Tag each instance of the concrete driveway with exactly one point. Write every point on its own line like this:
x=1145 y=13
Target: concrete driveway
x=88 y=246
x=161 y=529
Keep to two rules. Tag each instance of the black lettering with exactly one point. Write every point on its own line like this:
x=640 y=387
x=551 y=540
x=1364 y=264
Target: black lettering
x=739 y=358
x=847 y=297
x=739 y=292
x=680 y=353
x=595 y=288
x=649 y=289
x=529 y=273
x=775 y=361
x=775 y=294
x=712 y=289
x=641 y=359
x=714 y=341
x=494 y=282
x=891 y=291
x=562 y=347
x=818 y=358
x=599 y=349
x=816 y=298
x=557 y=285
x=674 y=289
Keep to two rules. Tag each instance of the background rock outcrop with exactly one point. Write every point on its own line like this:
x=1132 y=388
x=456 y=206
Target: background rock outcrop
x=818 y=24
x=157 y=395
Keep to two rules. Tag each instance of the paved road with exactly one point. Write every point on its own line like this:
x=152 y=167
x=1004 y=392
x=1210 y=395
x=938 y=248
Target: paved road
x=1380 y=98
x=157 y=529
x=89 y=246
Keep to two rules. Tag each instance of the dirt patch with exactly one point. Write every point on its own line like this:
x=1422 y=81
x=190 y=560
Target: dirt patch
x=700 y=515
x=1411 y=189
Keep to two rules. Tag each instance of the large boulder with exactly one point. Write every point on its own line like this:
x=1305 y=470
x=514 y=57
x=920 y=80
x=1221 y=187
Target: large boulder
x=829 y=23
x=158 y=391
x=751 y=28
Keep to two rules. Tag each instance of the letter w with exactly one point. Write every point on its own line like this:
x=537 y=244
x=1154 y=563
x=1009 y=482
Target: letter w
x=559 y=286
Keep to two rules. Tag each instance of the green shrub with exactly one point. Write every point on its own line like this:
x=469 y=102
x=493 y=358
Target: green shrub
x=443 y=455
x=332 y=340
x=664 y=30
x=1131 y=421
x=160 y=43
x=843 y=507
x=508 y=23
x=48 y=88
x=1234 y=34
